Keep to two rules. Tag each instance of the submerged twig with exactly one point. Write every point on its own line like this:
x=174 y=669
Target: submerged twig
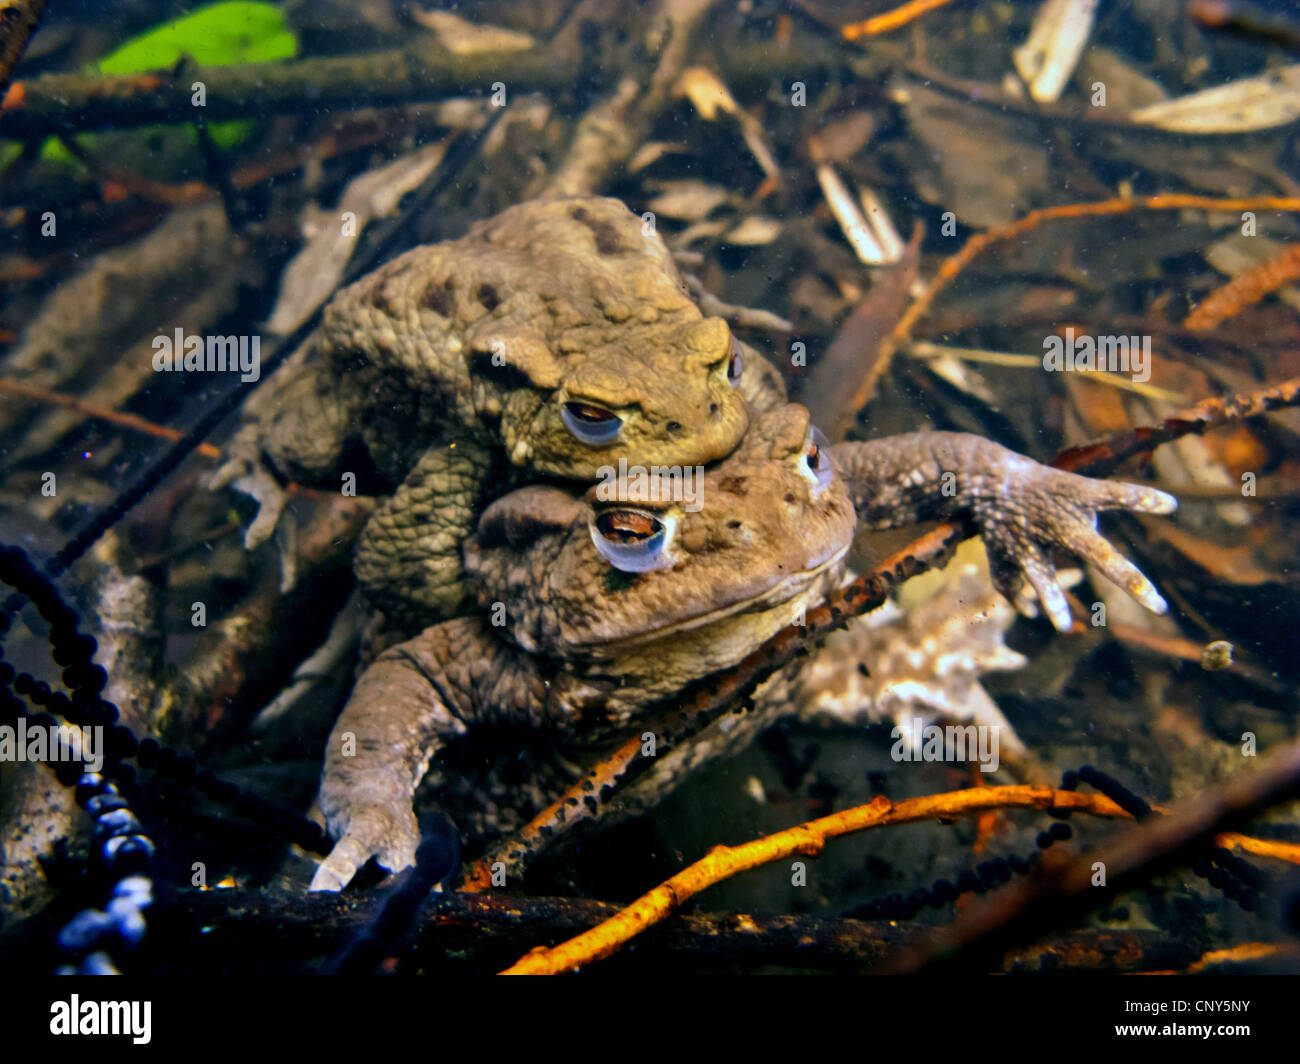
x=60 y=103
x=214 y=931
x=1245 y=290
x=1103 y=457
x=723 y=862
x=955 y=264
x=1064 y=888
x=891 y=20
x=19 y=390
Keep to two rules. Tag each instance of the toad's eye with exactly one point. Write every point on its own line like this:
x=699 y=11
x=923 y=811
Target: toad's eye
x=815 y=462
x=635 y=541
x=593 y=425
x=737 y=364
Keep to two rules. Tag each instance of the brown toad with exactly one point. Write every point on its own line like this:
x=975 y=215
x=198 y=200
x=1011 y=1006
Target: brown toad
x=605 y=606
x=552 y=339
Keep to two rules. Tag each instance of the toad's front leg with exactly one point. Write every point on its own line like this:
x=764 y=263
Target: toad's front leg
x=408 y=560
x=1022 y=508
x=404 y=709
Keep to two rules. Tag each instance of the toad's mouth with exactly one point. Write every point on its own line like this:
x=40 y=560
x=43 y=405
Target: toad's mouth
x=787 y=589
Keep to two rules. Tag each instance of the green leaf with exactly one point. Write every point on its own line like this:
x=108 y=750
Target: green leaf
x=237 y=31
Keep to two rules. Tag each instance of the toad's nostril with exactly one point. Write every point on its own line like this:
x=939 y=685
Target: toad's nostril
x=789 y=497
x=713 y=409
x=733 y=524
x=674 y=426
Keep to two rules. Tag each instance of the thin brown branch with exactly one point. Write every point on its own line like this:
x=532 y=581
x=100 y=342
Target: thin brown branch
x=60 y=103
x=977 y=244
x=19 y=390
x=1104 y=456
x=1245 y=290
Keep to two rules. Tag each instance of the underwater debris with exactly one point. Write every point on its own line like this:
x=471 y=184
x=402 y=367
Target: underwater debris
x=1245 y=290
x=866 y=225
x=1243 y=106
x=925 y=663
x=1217 y=656
x=1056 y=40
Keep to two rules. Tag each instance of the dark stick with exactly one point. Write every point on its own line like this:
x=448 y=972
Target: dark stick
x=1064 y=889
x=55 y=103
x=234 y=931
x=61 y=103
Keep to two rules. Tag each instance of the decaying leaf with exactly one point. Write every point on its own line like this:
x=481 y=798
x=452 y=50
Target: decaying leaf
x=466 y=38
x=1056 y=40
x=318 y=268
x=755 y=231
x=709 y=96
x=688 y=201
x=843 y=138
x=944 y=363
x=1126 y=87
x=707 y=93
x=650 y=153
x=1262 y=102
x=989 y=166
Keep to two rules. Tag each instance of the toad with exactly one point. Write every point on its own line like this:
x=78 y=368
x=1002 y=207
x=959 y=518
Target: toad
x=595 y=609
x=553 y=339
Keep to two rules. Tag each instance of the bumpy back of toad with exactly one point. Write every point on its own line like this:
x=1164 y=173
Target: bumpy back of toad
x=559 y=329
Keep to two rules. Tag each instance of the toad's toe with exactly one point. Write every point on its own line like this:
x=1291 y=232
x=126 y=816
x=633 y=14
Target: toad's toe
x=372 y=833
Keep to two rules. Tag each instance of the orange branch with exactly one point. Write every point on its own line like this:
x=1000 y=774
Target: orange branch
x=723 y=862
x=954 y=265
x=1279 y=851
x=1245 y=290
x=891 y=20
x=1247 y=951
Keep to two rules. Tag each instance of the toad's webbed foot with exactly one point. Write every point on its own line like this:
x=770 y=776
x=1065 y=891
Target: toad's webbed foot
x=1023 y=509
x=1049 y=508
